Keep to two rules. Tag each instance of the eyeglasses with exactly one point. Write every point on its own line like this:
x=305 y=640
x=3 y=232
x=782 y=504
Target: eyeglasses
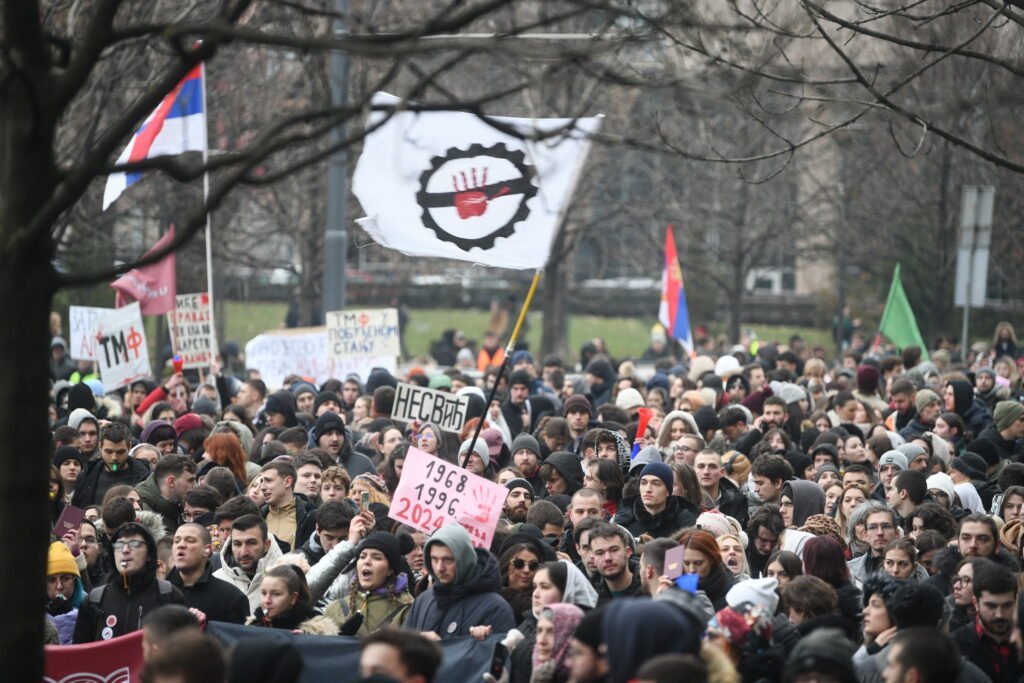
x=132 y=545
x=522 y=564
x=191 y=516
x=683 y=449
x=87 y=540
x=963 y=580
x=880 y=527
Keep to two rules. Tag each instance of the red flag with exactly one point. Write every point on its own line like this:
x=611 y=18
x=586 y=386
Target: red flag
x=118 y=660
x=153 y=286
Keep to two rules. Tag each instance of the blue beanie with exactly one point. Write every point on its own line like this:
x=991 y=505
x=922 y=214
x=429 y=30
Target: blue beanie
x=660 y=470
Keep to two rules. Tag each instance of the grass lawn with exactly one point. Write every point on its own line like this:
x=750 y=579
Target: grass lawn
x=624 y=336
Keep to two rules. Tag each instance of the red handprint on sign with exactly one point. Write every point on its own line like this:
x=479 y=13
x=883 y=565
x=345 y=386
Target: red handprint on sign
x=485 y=504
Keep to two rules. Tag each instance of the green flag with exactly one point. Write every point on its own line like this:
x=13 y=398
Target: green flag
x=898 y=322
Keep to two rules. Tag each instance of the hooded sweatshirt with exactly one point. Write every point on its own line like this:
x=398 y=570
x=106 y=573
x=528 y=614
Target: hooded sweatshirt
x=976 y=416
x=808 y=499
x=473 y=599
x=567 y=465
x=639 y=629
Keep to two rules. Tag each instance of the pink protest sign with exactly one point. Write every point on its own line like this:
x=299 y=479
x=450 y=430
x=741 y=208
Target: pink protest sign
x=433 y=493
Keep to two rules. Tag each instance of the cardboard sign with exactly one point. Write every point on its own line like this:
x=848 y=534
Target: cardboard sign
x=82 y=322
x=191 y=326
x=433 y=493
x=370 y=332
x=414 y=403
x=304 y=351
x=121 y=349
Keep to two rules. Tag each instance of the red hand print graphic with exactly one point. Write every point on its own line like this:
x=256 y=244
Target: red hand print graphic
x=470 y=199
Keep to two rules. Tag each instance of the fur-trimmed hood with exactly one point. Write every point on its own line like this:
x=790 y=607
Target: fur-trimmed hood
x=153 y=522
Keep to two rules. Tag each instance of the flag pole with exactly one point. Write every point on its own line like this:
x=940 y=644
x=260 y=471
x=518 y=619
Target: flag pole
x=505 y=361
x=209 y=241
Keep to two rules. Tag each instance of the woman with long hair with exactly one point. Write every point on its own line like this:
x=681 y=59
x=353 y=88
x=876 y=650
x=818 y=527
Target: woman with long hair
x=380 y=587
x=390 y=469
x=853 y=495
x=825 y=558
x=518 y=563
x=372 y=484
x=703 y=557
x=675 y=425
x=605 y=476
x=225 y=450
x=286 y=603
x=686 y=485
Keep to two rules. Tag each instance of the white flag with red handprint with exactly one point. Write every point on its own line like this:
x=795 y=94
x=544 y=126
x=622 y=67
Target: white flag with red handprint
x=449 y=184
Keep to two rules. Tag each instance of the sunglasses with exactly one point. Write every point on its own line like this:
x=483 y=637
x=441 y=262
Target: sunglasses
x=522 y=564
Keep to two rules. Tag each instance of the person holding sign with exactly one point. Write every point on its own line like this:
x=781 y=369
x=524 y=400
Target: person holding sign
x=465 y=598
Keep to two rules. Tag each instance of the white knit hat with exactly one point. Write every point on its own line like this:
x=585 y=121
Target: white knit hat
x=942 y=482
x=760 y=592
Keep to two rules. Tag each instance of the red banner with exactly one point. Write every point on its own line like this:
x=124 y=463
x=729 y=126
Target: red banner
x=153 y=286
x=118 y=660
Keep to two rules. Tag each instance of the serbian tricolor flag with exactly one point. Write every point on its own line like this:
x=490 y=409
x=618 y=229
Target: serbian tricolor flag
x=178 y=125
x=672 y=313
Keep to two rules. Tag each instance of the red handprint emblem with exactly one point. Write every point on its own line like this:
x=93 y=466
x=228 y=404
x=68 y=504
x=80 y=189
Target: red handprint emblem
x=485 y=504
x=470 y=199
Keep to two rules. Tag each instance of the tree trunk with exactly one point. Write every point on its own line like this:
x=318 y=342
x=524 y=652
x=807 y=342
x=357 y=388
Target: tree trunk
x=554 y=326
x=26 y=295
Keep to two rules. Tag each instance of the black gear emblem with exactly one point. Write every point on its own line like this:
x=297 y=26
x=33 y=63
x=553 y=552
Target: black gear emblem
x=477 y=209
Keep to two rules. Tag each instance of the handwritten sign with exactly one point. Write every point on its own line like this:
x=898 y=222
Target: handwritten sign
x=370 y=332
x=121 y=350
x=414 y=403
x=433 y=493
x=191 y=326
x=82 y=323
x=304 y=351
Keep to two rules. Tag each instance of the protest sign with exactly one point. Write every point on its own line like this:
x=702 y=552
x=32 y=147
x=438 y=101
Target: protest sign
x=121 y=350
x=433 y=493
x=335 y=659
x=370 y=332
x=191 y=324
x=118 y=660
x=413 y=403
x=304 y=351
x=82 y=323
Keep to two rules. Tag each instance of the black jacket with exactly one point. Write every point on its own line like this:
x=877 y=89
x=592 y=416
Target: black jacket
x=1001 y=667
x=125 y=608
x=87 y=489
x=305 y=520
x=716 y=584
x=218 y=599
x=732 y=501
x=678 y=514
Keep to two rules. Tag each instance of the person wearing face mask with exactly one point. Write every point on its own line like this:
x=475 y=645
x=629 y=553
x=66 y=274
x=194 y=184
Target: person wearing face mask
x=132 y=590
x=379 y=589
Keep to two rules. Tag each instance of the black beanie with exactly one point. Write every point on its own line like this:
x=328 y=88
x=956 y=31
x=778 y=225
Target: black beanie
x=987 y=449
x=520 y=377
x=385 y=543
x=81 y=396
x=588 y=630
x=323 y=397
x=327 y=422
x=67 y=453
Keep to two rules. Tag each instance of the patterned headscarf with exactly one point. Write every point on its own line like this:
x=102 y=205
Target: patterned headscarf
x=565 y=617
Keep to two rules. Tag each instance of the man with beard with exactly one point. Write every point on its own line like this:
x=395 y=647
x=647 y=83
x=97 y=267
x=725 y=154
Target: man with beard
x=526 y=456
x=519 y=500
x=986 y=643
x=612 y=550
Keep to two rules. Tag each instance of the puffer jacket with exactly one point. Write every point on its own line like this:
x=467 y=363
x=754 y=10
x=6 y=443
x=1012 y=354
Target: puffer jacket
x=450 y=610
x=679 y=513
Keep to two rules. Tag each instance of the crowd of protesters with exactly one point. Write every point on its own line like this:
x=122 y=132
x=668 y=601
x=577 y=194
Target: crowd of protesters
x=786 y=517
